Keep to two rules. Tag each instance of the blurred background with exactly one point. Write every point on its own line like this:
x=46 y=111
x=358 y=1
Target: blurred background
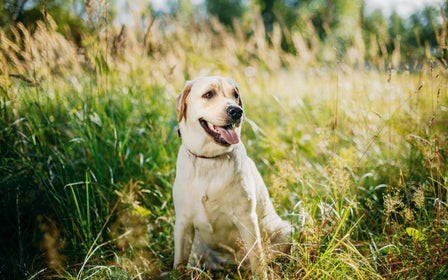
x=346 y=111
x=408 y=27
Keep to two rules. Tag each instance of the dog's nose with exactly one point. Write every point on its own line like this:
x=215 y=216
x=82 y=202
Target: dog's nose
x=235 y=112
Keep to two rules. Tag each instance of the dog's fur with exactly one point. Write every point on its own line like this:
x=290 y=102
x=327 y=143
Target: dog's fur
x=223 y=211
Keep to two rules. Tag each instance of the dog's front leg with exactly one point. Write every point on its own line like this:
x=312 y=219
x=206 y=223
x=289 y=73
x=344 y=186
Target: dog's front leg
x=250 y=233
x=183 y=240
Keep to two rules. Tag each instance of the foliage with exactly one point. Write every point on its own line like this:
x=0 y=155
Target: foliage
x=353 y=156
x=233 y=10
x=28 y=13
x=338 y=21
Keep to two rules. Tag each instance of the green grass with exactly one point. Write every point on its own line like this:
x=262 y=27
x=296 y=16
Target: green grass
x=354 y=158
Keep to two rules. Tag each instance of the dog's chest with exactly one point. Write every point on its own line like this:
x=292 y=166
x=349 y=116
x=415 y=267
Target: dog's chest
x=219 y=206
x=217 y=182
x=218 y=194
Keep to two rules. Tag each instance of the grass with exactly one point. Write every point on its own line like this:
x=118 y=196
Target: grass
x=355 y=158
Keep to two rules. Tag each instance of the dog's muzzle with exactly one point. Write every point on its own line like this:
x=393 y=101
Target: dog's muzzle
x=225 y=135
x=235 y=112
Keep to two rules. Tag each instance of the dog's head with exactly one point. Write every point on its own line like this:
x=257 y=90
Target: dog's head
x=210 y=115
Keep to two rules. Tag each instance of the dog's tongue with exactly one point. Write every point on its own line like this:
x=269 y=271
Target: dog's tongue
x=229 y=135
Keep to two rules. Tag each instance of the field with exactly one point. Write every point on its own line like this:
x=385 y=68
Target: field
x=353 y=151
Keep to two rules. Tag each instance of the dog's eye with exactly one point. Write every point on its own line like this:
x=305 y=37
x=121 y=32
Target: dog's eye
x=236 y=95
x=208 y=94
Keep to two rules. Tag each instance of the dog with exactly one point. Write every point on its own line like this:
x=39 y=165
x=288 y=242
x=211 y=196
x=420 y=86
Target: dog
x=223 y=211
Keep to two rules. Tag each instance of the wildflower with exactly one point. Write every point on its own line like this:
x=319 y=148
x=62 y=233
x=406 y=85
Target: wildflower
x=79 y=108
x=73 y=111
x=278 y=183
x=407 y=214
x=370 y=204
x=392 y=203
x=419 y=198
x=287 y=170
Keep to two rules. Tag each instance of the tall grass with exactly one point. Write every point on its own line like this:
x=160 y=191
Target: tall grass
x=354 y=158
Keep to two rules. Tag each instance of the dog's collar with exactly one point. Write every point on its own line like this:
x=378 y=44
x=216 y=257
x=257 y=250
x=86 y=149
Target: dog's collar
x=213 y=157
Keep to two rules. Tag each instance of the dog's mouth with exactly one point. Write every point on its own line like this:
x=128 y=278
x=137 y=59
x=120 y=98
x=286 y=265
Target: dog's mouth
x=224 y=135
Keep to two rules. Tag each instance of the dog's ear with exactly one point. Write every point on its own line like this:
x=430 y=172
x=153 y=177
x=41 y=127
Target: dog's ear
x=240 y=100
x=235 y=86
x=181 y=101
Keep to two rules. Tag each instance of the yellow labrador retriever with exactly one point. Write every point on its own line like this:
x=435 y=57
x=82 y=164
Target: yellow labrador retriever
x=223 y=211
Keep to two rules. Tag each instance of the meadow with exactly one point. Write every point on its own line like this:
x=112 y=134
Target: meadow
x=352 y=146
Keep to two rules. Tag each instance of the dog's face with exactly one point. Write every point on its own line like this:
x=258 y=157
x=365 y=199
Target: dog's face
x=210 y=115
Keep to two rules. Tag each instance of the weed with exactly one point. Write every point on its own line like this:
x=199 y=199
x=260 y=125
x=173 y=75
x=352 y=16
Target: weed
x=354 y=158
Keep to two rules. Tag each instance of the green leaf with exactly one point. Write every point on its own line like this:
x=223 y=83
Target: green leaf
x=415 y=233
x=142 y=211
